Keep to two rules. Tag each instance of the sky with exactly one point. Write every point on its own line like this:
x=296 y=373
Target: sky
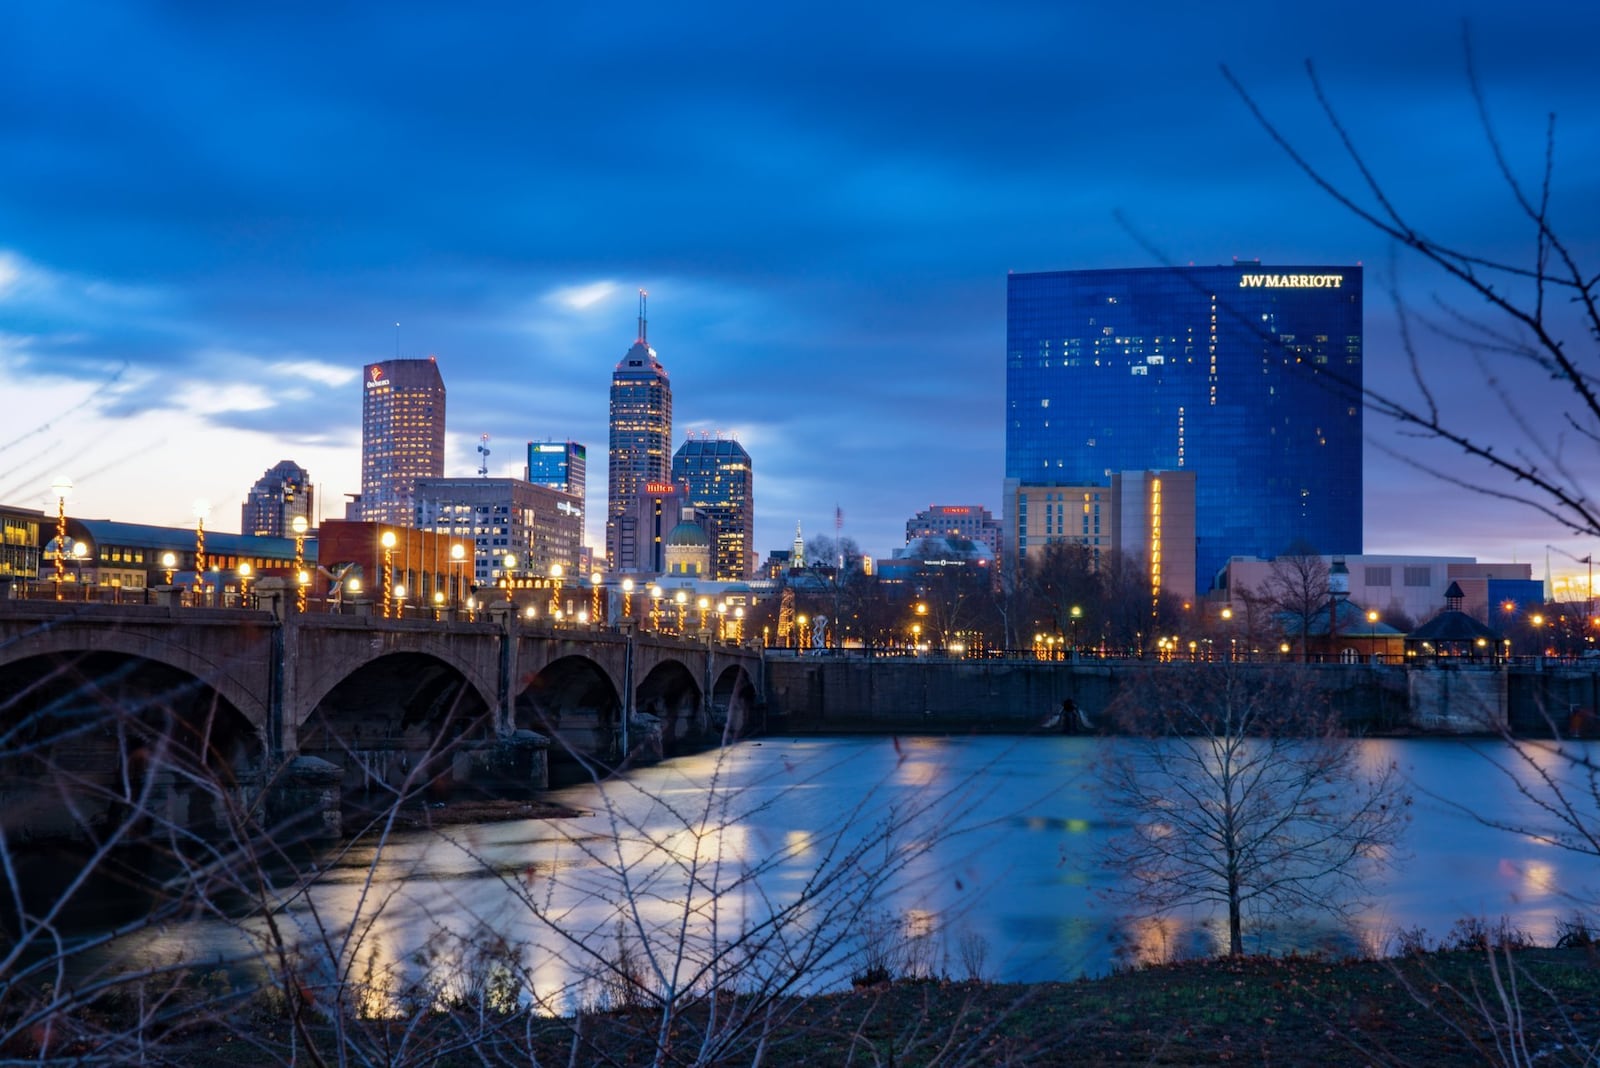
x=212 y=215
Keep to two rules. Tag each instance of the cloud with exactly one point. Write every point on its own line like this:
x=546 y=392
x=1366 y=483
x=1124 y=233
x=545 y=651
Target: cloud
x=582 y=297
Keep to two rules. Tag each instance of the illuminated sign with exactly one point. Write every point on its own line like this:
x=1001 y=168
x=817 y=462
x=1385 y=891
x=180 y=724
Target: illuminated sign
x=1291 y=281
x=659 y=487
x=377 y=378
x=549 y=448
x=568 y=508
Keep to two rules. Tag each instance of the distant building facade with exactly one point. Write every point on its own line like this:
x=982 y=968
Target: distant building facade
x=640 y=449
x=561 y=465
x=1247 y=376
x=498 y=517
x=970 y=521
x=1413 y=586
x=716 y=474
x=22 y=538
x=402 y=436
x=278 y=496
x=643 y=527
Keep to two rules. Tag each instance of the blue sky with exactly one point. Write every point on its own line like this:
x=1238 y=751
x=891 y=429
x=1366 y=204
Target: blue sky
x=212 y=215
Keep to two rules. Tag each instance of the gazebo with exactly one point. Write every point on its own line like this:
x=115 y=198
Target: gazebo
x=1453 y=633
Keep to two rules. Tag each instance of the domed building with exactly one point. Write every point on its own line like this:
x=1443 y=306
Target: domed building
x=687 y=551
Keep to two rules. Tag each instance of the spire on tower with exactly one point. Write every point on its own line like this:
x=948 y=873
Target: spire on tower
x=642 y=334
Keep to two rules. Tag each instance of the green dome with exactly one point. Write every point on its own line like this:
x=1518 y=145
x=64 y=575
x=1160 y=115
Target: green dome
x=688 y=535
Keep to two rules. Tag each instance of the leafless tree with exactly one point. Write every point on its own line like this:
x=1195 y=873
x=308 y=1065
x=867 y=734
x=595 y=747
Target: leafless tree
x=1297 y=586
x=1244 y=795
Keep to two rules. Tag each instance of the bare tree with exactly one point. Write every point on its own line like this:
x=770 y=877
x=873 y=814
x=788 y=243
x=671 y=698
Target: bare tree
x=1297 y=585
x=1244 y=795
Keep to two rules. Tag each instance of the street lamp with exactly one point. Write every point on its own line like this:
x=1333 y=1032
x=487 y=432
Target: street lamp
x=681 y=599
x=245 y=571
x=62 y=488
x=438 y=605
x=738 y=624
x=169 y=563
x=722 y=621
x=556 y=571
x=399 y=602
x=79 y=552
x=704 y=604
x=202 y=509
x=627 y=599
x=1075 y=614
x=595 y=580
x=302 y=580
x=655 y=609
x=458 y=557
x=801 y=621
x=388 y=569
x=510 y=563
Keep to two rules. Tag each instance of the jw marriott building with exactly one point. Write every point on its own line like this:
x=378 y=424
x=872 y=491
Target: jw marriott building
x=1244 y=380
x=402 y=436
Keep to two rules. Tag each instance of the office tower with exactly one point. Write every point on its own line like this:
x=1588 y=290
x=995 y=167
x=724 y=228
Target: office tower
x=536 y=525
x=402 y=436
x=1247 y=376
x=970 y=521
x=277 y=497
x=643 y=527
x=715 y=473
x=641 y=432
x=561 y=465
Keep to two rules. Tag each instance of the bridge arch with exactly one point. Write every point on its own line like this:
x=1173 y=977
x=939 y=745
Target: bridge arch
x=573 y=701
x=104 y=739
x=672 y=695
x=734 y=698
x=398 y=722
x=177 y=650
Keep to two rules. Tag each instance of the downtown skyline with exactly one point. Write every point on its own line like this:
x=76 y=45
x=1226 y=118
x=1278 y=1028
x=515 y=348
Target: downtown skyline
x=209 y=222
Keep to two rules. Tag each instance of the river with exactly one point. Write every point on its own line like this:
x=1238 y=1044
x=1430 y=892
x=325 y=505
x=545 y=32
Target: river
x=952 y=855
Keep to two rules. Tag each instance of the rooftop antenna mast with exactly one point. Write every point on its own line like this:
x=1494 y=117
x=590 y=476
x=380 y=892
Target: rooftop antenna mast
x=397 y=341
x=642 y=322
x=483 y=453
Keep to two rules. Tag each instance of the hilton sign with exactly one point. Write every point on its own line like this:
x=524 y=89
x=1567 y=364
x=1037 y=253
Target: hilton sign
x=1291 y=281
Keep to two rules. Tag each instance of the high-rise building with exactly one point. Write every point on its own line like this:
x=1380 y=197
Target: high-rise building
x=277 y=497
x=642 y=530
x=715 y=472
x=402 y=436
x=970 y=521
x=499 y=517
x=641 y=432
x=561 y=465
x=1247 y=376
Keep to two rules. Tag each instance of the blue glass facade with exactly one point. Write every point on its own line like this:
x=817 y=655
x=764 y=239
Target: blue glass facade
x=1247 y=375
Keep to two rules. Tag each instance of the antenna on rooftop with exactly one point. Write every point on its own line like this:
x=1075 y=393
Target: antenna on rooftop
x=397 y=341
x=483 y=451
x=642 y=337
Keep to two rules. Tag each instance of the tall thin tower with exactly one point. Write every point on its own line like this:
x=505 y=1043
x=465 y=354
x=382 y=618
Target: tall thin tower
x=641 y=433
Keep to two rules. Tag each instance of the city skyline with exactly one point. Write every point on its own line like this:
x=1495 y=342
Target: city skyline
x=197 y=264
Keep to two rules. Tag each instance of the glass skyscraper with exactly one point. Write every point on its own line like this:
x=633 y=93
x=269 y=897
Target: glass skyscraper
x=1246 y=375
x=715 y=472
x=402 y=435
x=641 y=432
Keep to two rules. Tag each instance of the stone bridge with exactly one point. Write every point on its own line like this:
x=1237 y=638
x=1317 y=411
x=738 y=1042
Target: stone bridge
x=305 y=713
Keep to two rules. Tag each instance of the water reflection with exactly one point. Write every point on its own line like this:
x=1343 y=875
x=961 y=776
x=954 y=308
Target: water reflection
x=769 y=855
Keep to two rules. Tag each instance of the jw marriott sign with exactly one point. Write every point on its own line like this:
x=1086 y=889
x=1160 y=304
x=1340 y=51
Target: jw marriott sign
x=1291 y=281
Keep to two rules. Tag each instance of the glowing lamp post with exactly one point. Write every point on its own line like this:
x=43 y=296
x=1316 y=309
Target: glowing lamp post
x=594 y=581
x=722 y=621
x=438 y=605
x=627 y=599
x=458 y=557
x=399 y=602
x=655 y=609
x=681 y=599
x=704 y=605
x=201 y=510
x=245 y=571
x=169 y=564
x=301 y=580
x=738 y=624
x=556 y=571
x=800 y=634
x=80 y=552
x=510 y=563
x=62 y=488
x=386 y=584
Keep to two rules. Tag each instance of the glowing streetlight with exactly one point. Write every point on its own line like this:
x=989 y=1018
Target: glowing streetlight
x=738 y=624
x=438 y=605
x=627 y=599
x=80 y=552
x=245 y=571
x=681 y=599
x=62 y=488
x=510 y=563
x=399 y=602
x=386 y=580
x=722 y=621
x=299 y=526
x=202 y=508
x=1372 y=615
x=655 y=609
x=556 y=571
x=704 y=605
x=594 y=581
x=801 y=622
x=169 y=564
x=458 y=557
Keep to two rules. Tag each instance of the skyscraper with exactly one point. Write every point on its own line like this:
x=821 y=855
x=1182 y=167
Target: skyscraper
x=277 y=497
x=716 y=474
x=402 y=436
x=1248 y=376
x=561 y=465
x=641 y=432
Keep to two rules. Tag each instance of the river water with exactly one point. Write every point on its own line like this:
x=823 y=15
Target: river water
x=951 y=855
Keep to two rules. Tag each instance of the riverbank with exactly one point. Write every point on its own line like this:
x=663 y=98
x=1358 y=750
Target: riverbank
x=1435 y=1009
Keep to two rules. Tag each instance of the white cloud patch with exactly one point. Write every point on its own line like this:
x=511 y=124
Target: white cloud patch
x=207 y=399
x=325 y=374
x=581 y=298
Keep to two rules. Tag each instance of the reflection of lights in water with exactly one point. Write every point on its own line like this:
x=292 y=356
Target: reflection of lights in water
x=1538 y=879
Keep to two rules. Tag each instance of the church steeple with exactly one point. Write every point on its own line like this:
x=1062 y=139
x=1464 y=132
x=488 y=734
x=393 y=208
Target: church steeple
x=797 y=557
